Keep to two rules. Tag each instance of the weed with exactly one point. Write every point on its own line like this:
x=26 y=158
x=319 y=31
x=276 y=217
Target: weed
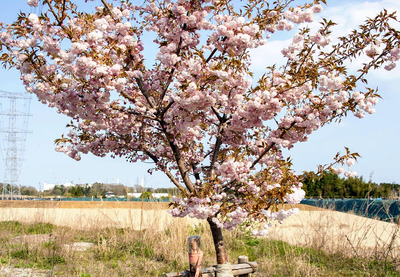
x=123 y=249
x=12 y=226
x=40 y=228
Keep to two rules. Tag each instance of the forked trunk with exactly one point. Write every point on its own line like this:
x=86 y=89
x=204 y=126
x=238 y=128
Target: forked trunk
x=222 y=257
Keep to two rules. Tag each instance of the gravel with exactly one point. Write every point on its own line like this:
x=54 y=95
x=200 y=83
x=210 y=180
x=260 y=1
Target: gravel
x=23 y=272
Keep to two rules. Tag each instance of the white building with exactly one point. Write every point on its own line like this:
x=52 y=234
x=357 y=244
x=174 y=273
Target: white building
x=47 y=186
x=154 y=195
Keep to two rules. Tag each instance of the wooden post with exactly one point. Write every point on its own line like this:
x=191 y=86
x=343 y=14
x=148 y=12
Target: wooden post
x=243 y=260
x=195 y=255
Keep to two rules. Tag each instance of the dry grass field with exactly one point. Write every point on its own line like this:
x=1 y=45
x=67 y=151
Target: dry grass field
x=142 y=239
x=88 y=215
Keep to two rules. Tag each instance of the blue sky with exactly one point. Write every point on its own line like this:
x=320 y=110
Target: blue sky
x=376 y=138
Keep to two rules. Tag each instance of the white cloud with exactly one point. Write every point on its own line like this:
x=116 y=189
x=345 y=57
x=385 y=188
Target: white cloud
x=268 y=55
x=375 y=137
x=348 y=16
x=351 y=14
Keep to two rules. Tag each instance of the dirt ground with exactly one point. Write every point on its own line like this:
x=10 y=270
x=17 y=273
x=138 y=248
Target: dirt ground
x=313 y=226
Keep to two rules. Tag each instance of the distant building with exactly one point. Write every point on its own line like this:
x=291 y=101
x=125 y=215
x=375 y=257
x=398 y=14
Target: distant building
x=109 y=194
x=47 y=186
x=134 y=194
x=153 y=195
x=159 y=195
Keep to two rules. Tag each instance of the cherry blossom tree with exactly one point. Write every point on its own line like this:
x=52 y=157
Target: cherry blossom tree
x=197 y=112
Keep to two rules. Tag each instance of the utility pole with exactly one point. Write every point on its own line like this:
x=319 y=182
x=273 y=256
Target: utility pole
x=13 y=130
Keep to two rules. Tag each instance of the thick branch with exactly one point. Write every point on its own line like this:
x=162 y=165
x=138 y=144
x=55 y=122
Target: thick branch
x=181 y=166
x=144 y=91
x=219 y=244
x=178 y=157
x=169 y=174
x=166 y=109
x=218 y=142
x=217 y=147
x=108 y=8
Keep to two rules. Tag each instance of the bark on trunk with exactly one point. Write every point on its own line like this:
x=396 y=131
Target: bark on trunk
x=222 y=257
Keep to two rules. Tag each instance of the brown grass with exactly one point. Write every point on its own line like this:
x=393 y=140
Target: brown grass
x=109 y=204
x=141 y=239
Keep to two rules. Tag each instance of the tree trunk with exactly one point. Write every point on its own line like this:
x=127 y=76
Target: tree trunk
x=220 y=250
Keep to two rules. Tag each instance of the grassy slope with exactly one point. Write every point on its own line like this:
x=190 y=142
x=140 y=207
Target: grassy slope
x=124 y=252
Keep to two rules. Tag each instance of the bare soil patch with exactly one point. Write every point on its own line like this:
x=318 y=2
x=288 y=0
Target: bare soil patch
x=23 y=272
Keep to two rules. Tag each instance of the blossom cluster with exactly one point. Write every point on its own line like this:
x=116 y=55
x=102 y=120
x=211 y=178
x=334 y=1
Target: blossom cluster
x=193 y=207
x=393 y=57
x=279 y=216
x=296 y=196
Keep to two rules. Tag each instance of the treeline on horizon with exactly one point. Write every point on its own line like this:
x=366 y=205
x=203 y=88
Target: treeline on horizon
x=99 y=190
x=330 y=185
x=327 y=185
x=96 y=190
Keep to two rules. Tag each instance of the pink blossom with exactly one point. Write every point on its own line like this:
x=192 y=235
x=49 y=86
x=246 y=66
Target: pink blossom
x=33 y=18
x=339 y=170
x=297 y=195
x=372 y=51
x=350 y=174
x=77 y=47
x=32 y=3
x=317 y=8
x=281 y=215
x=350 y=162
x=390 y=66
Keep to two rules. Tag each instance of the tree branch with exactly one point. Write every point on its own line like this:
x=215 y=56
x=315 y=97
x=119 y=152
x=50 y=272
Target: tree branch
x=144 y=91
x=271 y=146
x=216 y=150
x=131 y=112
x=53 y=12
x=181 y=166
x=214 y=50
x=169 y=174
x=178 y=157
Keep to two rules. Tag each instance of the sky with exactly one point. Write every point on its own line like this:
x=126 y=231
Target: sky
x=376 y=137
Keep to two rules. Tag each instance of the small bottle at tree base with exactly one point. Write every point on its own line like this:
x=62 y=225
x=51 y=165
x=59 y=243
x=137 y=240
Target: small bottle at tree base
x=195 y=256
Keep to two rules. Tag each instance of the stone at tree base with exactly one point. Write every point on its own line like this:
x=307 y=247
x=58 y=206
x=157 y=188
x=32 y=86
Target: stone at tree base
x=223 y=270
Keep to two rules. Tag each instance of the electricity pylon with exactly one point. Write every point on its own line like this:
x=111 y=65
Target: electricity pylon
x=14 y=115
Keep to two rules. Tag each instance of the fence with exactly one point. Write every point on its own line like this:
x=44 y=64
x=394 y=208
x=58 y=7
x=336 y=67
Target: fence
x=117 y=199
x=386 y=210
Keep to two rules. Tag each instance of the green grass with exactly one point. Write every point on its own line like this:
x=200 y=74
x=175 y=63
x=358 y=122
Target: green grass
x=40 y=228
x=18 y=228
x=278 y=258
x=125 y=252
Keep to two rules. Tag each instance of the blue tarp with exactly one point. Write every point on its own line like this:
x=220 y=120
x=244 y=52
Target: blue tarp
x=387 y=210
